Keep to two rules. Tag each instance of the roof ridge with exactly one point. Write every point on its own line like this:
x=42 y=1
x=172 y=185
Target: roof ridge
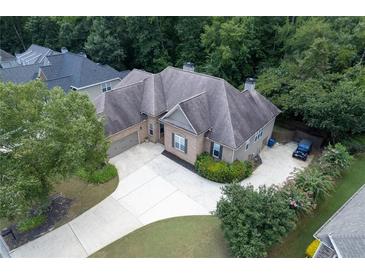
x=59 y=77
x=192 y=97
x=21 y=66
x=126 y=86
x=340 y=209
x=195 y=72
x=229 y=112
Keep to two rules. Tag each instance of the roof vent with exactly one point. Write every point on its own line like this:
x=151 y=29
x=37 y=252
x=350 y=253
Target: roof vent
x=81 y=53
x=188 y=66
x=250 y=84
x=64 y=50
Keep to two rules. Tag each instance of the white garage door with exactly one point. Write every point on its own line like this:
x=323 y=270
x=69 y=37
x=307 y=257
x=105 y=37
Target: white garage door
x=123 y=144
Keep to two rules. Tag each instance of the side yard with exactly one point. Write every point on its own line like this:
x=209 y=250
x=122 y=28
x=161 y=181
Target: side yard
x=294 y=245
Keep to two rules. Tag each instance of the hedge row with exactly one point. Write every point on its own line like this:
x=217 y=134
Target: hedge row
x=220 y=171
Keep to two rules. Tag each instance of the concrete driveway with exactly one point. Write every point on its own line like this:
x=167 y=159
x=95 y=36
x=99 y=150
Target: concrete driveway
x=152 y=187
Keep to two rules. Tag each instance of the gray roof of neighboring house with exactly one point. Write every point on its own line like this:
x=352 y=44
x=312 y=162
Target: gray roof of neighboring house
x=19 y=74
x=70 y=69
x=232 y=116
x=345 y=230
x=120 y=107
x=35 y=54
x=6 y=56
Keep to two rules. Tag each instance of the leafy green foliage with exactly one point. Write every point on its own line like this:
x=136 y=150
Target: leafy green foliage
x=334 y=160
x=99 y=176
x=45 y=135
x=30 y=223
x=315 y=183
x=321 y=78
x=254 y=220
x=355 y=144
x=108 y=42
x=220 y=171
x=296 y=197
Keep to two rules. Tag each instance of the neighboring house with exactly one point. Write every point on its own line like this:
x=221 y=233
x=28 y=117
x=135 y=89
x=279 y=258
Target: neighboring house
x=189 y=113
x=19 y=74
x=34 y=55
x=6 y=58
x=72 y=71
x=343 y=235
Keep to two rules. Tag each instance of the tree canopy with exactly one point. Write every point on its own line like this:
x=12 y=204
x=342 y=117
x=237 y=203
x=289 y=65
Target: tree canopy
x=44 y=136
x=310 y=67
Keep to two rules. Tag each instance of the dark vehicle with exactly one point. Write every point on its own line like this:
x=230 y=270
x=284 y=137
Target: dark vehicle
x=303 y=149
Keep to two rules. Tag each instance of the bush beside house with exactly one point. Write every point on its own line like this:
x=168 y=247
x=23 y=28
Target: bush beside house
x=253 y=220
x=220 y=171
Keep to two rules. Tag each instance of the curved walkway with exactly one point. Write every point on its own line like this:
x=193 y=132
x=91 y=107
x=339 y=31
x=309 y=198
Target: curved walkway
x=152 y=187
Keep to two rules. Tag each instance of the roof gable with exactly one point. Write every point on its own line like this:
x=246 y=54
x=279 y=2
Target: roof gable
x=176 y=116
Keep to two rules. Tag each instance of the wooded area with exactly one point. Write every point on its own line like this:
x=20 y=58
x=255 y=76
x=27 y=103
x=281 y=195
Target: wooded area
x=310 y=67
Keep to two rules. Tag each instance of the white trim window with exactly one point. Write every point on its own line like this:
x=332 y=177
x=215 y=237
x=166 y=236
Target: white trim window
x=247 y=145
x=106 y=86
x=216 y=150
x=179 y=143
x=150 y=129
x=261 y=132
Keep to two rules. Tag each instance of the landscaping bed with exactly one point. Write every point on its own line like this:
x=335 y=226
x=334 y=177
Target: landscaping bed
x=220 y=171
x=181 y=237
x=70 y=199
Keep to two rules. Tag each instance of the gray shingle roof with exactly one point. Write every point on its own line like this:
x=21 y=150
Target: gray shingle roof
x=78 y=71
x=232 y=116
x=349 y=246
x=120 y=107
x=34 y=54
x=196 y=110
x=19 y=74
x=6 y=56
x=347 y=227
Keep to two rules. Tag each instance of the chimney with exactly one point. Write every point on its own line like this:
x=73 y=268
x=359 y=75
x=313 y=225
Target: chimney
x=64 y=50
x=250 y=84
x=188 y=66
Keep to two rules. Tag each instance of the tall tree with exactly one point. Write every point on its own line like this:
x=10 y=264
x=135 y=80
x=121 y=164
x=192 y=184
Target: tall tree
x=152 y=47
x=189 y=47
x=12 y=35
x=44 y=136
x=43 y=31
x=108 y=41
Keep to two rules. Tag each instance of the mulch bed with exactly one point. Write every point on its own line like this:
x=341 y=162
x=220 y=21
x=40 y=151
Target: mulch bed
x=55 y=212
x=179 y=161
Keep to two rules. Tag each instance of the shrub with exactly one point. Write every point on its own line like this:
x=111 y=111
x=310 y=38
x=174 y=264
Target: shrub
x=220 y=171
x=252 y=220
x=312 y=248
x=354 y=145
x=334 y=160
x=31 y=223
x=314 y=182
x=297 y=198
x=99 y=176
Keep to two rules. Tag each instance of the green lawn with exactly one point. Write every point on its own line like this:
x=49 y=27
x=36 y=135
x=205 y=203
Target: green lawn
x=295 y=243
x=181 y=237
